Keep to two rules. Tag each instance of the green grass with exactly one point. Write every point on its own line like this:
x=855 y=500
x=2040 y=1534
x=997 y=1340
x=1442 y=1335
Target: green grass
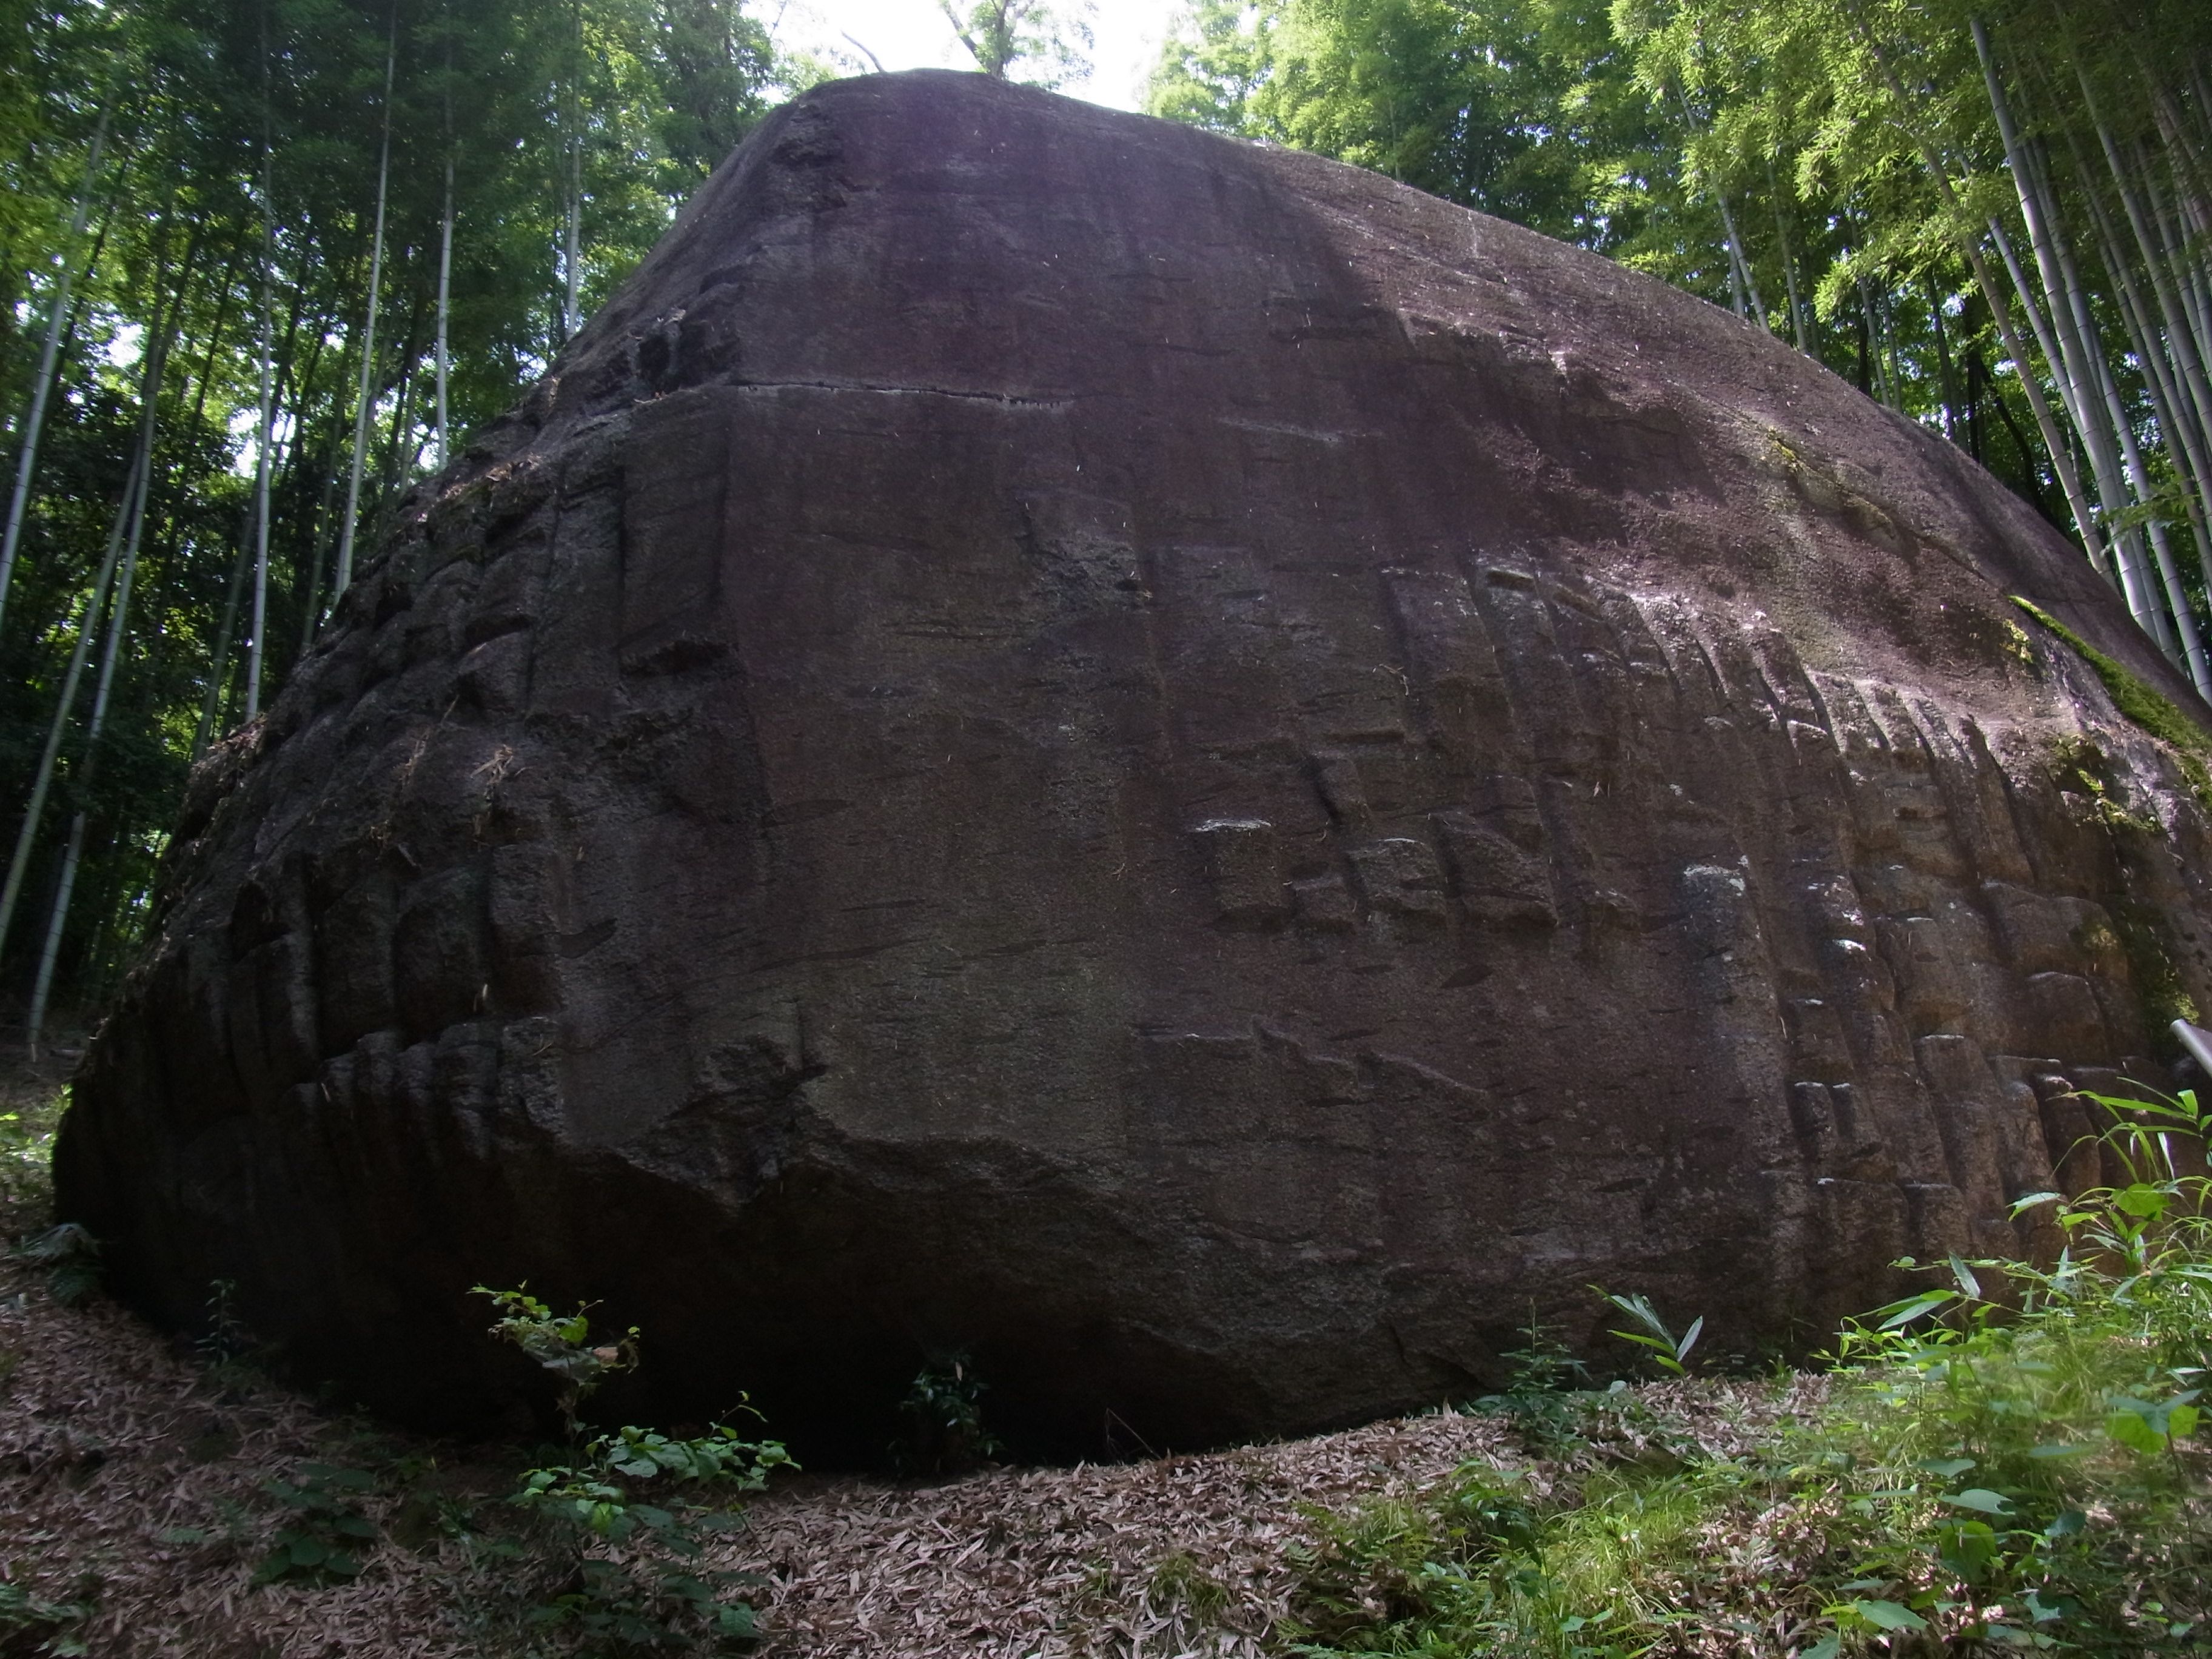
x=2008 y=1460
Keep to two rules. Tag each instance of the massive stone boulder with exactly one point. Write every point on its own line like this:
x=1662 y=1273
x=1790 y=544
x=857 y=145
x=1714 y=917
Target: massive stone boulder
x=1161 y=761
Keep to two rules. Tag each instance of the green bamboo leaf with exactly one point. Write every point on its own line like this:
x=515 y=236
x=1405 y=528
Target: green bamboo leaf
x=1980 y=1499
x=1888 y=1615
x=1898 y=1314
x=1965 y=1275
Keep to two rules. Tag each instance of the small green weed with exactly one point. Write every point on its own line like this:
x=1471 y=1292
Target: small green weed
x=562 y=1344
x=628 y=1573
x=226 y=1342
x=1670 y=1352
x=70 y=1256
x=30 y=1623
x=943 y=1412
x=323 y=1540
x=1178 y=1580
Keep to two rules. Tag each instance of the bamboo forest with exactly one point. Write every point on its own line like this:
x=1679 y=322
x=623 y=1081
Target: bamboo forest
x=269 y=261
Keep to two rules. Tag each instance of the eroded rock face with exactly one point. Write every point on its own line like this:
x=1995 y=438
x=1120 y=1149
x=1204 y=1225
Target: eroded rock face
x=1162 y=761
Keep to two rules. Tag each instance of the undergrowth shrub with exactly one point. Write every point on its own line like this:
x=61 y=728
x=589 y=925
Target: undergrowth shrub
x=33 y=1625
x=620 y=1525
x=941 y=1420
x=29 y=1121
x=2007 y=1459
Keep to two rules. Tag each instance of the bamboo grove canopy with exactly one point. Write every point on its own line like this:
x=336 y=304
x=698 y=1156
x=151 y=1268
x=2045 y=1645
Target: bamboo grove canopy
x=296 y=249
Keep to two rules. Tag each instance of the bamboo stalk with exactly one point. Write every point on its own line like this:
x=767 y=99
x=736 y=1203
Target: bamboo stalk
x=348 y=525
x=87 y=628
x=2070 y=360
x=2194 y=392
x=445 y=248
x=219 y=658
x=27 y=460
x=261 y=464
x=1947 y=378
x=1788 y=263
x=2062 y=350
x=2123 y=554
x=572 y=246
x=2184 y=439
x=118 y=623
x=2170 y=272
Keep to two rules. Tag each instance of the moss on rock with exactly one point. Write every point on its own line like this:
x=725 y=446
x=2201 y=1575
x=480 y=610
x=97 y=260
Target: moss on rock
x=2156 y=714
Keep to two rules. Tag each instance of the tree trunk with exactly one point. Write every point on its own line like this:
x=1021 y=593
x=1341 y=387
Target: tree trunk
x=446 y=253
x=1948 y=381
x=445 y=309
x=266 y=434
x=2124 y=551
x=344 y=579
x=219 y=660
x=2061 y=461
x=2187 y=345
x=1788 y=263
x=87 y=627
x=118 y=622
x=2078 y=379
x=34 y=422
x=572 y=161
x=2185 y=438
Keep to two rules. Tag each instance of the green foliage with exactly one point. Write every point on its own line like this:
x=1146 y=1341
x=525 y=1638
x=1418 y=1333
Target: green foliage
x=27 y=1124
x=31 y=1623
x=1037 y=42
x=942 y=1413
x=627 y=1571
x=70 y=1256
x=644 y=96
x=2009 y=1457
x=648 y=1588
x=561 y=1344
x=1670 y=1352
x=1178 y=1580
x=323 y=1540
x=1213 y=68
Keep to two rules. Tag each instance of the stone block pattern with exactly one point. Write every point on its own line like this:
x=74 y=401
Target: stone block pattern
x=1165 y=762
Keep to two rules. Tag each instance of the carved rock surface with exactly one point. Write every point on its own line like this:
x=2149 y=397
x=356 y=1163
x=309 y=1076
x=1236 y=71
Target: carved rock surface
x=1162 y=761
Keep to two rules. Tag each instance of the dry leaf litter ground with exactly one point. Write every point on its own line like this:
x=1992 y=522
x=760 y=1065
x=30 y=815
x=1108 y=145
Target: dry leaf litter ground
x=135 y=1476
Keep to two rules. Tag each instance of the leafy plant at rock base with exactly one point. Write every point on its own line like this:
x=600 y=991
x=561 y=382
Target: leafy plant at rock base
x=323 y=1541
x=2008 y=1459
x=70 y=1256
x=1670 y=1351
x=562 y=1344
x=1556 y=1411
x=630 y=1572
x=944 y=1415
